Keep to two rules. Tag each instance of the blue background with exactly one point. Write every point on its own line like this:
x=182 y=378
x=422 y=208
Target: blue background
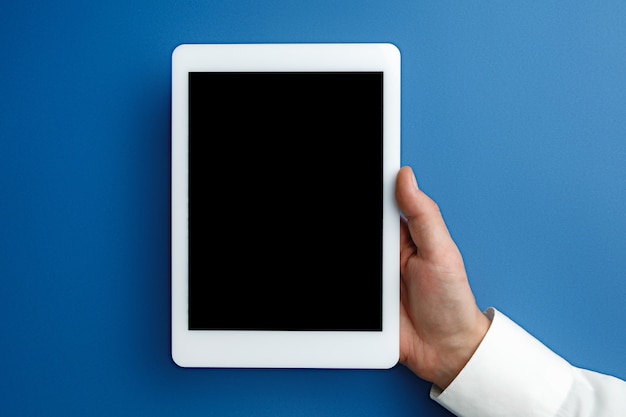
x=513 y=116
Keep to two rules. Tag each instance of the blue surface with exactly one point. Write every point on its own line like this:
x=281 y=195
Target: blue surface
x=514 y=117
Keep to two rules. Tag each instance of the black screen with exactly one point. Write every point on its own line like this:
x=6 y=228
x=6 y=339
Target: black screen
x=285 y=201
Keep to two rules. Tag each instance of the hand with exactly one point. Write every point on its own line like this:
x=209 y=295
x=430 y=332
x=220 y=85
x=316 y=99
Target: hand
x=440 y=324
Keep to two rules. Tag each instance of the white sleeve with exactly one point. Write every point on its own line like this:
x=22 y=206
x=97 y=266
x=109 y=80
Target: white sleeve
x=513 y=374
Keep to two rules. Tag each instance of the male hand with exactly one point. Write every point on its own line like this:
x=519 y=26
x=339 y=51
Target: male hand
x=440 y=324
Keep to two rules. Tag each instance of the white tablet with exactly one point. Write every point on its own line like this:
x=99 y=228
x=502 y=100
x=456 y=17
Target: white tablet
x=285 y=231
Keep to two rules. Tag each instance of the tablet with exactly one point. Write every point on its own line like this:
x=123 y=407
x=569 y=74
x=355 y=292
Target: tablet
x=284 y=227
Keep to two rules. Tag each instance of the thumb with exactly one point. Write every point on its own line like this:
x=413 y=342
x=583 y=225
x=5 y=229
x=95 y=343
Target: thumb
x=426 y=225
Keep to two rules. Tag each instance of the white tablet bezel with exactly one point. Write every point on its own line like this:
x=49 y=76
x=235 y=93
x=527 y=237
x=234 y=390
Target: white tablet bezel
x=285 y=349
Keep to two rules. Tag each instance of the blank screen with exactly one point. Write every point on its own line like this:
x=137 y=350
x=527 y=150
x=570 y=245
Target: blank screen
x=285 y=201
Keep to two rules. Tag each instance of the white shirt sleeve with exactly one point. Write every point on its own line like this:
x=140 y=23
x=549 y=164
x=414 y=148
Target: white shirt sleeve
x=513 y=374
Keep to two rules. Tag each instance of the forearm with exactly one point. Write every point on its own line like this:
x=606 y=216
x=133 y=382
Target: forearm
x=513 y=374
x=594 y=395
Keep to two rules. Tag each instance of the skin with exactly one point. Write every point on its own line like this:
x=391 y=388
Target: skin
x=441 y=325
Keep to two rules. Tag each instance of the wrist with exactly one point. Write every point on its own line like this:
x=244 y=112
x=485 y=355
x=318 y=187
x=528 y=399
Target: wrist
x=459 y=351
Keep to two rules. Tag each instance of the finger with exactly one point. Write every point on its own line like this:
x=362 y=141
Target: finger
x=425 y=223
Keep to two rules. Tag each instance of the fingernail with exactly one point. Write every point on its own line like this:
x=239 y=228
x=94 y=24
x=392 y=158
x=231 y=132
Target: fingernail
x=414 y=179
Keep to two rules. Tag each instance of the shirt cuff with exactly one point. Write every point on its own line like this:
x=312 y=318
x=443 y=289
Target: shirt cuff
x=511 y=373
